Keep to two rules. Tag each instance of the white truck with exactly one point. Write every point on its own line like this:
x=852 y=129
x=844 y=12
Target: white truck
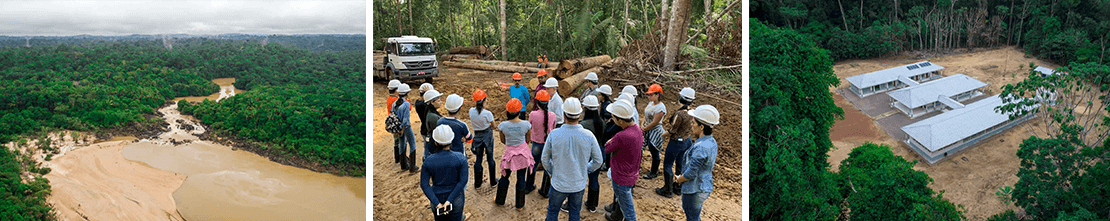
x=408 y=58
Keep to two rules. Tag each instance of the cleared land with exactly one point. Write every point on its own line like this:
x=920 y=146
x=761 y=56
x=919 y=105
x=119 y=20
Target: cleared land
x=969 y=178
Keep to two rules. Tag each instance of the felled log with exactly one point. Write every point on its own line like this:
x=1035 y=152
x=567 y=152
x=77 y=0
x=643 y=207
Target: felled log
x=489 y=67
x=480 y=49
x=571 y=84
x=569 y=67
x=511 y=63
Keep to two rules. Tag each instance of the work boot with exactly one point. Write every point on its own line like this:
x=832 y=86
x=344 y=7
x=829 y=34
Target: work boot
x=502 y=190
x=666 y=190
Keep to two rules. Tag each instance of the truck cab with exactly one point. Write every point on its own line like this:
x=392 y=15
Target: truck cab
x=410 y=57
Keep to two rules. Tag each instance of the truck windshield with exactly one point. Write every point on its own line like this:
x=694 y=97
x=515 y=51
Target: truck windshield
x=417 y=49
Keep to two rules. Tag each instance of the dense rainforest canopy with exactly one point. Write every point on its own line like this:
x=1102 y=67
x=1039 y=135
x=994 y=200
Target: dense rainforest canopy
x=302 y=103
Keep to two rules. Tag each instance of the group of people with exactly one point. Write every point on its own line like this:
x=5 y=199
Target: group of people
x=571 y=140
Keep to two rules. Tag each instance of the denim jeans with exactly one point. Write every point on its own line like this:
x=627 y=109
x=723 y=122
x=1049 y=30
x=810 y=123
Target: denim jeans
x=623 y=194
x=555 y=203
x=691 y=205
x=483 y=147
x=537 y=150
x=410 y=140
x=673 y=157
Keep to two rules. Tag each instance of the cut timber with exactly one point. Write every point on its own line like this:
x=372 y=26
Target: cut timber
x=487 y=67
x=480 y=49
x=510 y=63
x=571 y=84
x=569 y=67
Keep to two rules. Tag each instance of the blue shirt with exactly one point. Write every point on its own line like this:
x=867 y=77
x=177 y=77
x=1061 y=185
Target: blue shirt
x=402 y=112
x=444 y=172
x=569 y=154
x=462 y=133
x=700 y=159
x=520 y=93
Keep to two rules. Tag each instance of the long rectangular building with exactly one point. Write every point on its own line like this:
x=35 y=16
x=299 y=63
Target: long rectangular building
x=893 y=78
x=938 y=137
x=936 y=95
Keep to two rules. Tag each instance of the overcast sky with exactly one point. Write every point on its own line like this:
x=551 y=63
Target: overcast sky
x=36 y=18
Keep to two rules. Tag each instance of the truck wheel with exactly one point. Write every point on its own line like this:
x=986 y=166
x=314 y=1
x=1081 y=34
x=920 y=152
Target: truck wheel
x=428 y=80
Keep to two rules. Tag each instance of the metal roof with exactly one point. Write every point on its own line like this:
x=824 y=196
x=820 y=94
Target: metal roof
x=929 y=92
x=892 y=74
x=950 y=127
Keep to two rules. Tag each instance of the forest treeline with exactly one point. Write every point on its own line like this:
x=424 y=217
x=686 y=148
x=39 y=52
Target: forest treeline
x=311 y=42
x=301 y=103
x=559 y=29
x=1060 y=31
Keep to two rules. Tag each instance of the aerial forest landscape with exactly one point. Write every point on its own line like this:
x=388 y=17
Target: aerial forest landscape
x=1025 y=141
x=110 y=123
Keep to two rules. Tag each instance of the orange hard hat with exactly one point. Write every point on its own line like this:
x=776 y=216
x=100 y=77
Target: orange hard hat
x=479 y=95
x=543 y=96
x=514 y=105
x=516 y=76
x=655 y=88
x=542 y=73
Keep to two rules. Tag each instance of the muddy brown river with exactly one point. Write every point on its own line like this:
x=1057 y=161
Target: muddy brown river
x=219 y=183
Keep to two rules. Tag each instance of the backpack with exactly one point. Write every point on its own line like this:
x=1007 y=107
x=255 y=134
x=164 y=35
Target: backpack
x=393 y=122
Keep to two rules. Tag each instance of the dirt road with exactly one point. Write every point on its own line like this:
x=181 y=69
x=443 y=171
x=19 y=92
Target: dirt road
x=970 y=178
x=397 y=195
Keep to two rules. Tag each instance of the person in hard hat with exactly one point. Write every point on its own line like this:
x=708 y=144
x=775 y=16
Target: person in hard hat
x=543 y=122
x=403 y=110
x=570 y=154
x=521 y=93
x=591 y=88
x=432 y=99
x=591 y=120
x=389 y=105
x=653 y=131
x=483 y=139
x=625 y=162
x=421 y=106
x=679 y=141
x=517 y=156
x=462 y=130
x=556 y=103
x=443 y=176
x=542 y=78
x=697 y=176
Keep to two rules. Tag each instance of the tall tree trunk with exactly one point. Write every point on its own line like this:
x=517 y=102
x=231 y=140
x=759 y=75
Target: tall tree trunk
x=504 y=47
x=678 y=28
x=843 y=17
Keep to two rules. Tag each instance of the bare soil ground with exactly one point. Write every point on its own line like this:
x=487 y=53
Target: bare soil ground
x=397 y=195
x=970 y=178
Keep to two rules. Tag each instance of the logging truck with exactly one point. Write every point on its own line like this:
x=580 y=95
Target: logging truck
x=408 y=58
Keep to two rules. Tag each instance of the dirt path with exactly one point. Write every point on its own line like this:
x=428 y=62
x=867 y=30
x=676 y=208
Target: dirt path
x=970 y=178
x=397 y=195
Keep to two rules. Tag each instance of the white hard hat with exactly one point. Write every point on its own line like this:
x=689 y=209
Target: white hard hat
x=590 y=102
x=707 y=114
x=605 y=89
x=426 y=87
x=621 y=109
x=393 y=84
x=454 y=102
x=404 y=88
x=572 y=106
x=431 y=95
x=629 y=89
x=551 y=82
x=627 y=97
x=443 y=134
x=687 y=93
x=591 y=76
